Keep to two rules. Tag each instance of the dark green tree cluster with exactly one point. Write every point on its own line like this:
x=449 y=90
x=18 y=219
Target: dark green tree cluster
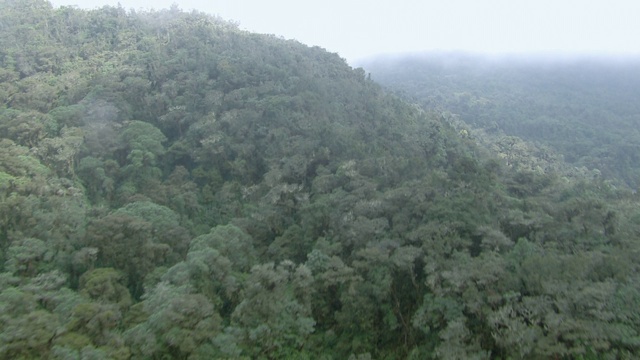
x=172 y=187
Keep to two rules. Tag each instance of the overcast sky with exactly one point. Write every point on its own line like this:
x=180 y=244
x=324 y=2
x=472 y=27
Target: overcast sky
x=360 y=28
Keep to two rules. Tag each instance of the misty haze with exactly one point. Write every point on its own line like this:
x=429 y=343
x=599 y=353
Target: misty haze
x=336 y=180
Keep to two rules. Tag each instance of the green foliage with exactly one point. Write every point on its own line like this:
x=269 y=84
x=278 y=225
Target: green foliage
x=582 y=108
x=231 y=242
x=165 y=225
x=26 y=256
x=105 y=284
x=174 y=187
x=126 y=243
x=178 y=324
x=274 y=315
x=27 y=337
x=144 y=139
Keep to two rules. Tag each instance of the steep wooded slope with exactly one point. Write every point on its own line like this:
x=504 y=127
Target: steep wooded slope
x=584 y=108
x=173 y=187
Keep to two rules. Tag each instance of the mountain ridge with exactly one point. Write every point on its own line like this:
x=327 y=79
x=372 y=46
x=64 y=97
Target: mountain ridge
x=583 y=107
x=173 y=187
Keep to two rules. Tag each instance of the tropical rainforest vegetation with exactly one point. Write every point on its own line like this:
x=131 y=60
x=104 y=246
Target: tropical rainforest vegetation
x=172 y=187
x=584 y=108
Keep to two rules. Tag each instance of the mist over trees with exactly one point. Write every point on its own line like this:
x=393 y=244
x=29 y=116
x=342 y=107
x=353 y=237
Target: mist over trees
x=582 y=107
x=172 y=187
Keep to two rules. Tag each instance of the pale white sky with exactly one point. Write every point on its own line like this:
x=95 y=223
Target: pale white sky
x=359 y=28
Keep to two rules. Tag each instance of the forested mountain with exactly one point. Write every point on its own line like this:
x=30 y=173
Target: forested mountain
x=583 y=107
x=172 y=187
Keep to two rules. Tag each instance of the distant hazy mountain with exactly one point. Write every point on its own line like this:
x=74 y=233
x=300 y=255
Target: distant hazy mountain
x=584 y=107
x=172 y=187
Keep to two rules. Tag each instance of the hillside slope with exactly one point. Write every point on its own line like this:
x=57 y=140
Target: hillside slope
x=584 y=108
x=174 y=187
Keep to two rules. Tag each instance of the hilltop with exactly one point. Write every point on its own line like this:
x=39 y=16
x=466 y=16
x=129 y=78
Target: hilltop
x=174 y=187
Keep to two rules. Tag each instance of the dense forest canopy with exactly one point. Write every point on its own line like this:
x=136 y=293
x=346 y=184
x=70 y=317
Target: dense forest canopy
x=583 y=107
x=172 y=187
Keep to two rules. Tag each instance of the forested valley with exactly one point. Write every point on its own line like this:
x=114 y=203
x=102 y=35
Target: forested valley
x=584 y=109
x=174 y=187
